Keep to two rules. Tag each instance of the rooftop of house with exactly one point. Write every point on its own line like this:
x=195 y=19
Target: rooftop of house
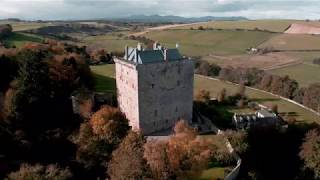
x=266 y=113
x=158 y=54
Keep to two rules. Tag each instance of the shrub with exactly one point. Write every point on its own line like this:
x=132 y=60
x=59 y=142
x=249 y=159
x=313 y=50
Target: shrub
x=40 y=172
x=316 y=61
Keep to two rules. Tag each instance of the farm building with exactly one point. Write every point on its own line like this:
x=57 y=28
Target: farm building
x=154 y=87
x=261 y=118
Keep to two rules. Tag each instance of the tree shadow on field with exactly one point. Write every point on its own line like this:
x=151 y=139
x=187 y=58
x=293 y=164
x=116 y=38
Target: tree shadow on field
x=264 y=100
x=104 y=83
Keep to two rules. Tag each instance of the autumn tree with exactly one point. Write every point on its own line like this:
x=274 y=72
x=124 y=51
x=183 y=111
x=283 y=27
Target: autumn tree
x=238 y=140
x=8 y=71
x=311 y=97
x=310 y=152
x=274 y=108
x=203 y=96
x=183 y=156
x=100 y=136
x=33 y=93
x=40 y=172
x=222 y=95
x=127 y=160
x=265 y=83
x=241 y=90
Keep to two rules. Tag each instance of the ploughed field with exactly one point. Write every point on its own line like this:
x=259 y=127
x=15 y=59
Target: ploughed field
x=105 y=82
x=293 y=42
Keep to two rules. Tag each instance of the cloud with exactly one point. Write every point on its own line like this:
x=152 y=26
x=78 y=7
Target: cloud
x=90 y=9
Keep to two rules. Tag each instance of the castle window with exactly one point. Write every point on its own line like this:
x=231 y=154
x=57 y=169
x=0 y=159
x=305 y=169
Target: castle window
x=178 y=83
x=167 y=121
x=152 y=85
x=176 y=108
x=154 y=124
x=155 y=113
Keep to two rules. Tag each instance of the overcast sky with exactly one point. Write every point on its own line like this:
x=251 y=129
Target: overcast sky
x=91 y=9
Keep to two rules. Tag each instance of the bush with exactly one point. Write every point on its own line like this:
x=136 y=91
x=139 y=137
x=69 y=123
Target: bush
x=316 y=61
x=40 y=172
x=201 y=28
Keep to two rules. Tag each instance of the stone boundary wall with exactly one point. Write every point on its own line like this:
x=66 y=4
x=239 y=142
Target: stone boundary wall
x=283 y=98
x=235 y=171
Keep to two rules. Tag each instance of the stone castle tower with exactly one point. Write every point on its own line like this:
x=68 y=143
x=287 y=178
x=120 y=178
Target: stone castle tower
x=155 y=87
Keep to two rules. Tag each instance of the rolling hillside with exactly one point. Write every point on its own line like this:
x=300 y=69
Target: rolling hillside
x=201 y=43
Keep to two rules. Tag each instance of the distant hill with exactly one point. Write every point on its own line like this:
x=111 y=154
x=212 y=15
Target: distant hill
x=175 y=19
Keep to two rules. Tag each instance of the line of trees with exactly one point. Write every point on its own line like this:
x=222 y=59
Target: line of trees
x=280 y=85
x=5 y=30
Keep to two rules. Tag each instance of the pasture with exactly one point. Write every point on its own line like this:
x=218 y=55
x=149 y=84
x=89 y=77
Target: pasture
x=305 y=73
x=264 y=61
x=20 y=39
x=201 y=43
x=110 y=42
x=267 y=25
x=105 y=82
x=293 y=42
x=23 y=26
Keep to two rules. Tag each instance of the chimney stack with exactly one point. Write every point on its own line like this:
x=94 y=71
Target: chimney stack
x=126 y=52
x=139 y=47
x=155 y=45
x=165 y=54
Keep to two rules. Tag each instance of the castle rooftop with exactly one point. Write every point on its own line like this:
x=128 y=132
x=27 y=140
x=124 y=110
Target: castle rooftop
x=158 y=54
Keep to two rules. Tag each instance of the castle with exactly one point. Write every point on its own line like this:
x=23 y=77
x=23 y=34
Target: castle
x=154 y=87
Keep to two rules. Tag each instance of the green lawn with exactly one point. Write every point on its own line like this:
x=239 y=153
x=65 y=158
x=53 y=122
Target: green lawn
x=104 y=78
x=211 y=41
x=19 y=39
x=106 y=83
x=270 y=25
x=110 y=42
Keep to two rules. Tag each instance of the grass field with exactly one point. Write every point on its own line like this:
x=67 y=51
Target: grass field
x=213 y=174
x=110 y=42
x=104 y=78
x=306 y=73
x=211 y=41
x=19 y=39
x=215 y=86
x=293 y=42
x=23 y=26
x=269 y=25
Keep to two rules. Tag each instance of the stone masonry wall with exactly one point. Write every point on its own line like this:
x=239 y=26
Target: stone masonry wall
x=165 y=94
x=127 y=91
